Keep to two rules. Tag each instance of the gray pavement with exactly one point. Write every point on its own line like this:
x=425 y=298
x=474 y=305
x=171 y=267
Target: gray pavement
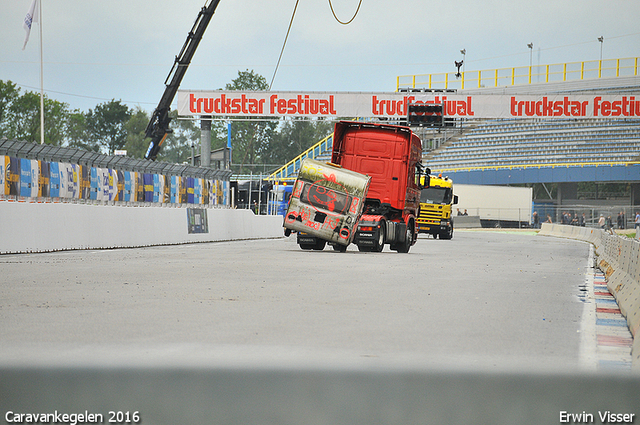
x=483 y=299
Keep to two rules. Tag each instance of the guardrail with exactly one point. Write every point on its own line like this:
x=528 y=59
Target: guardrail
x=291 y=168
x=521 y=75
x=619 y=259
x=523 y=166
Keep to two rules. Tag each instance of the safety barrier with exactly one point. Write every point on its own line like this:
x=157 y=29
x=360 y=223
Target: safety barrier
x=329 y=394
x=619 y=259
x=44 y=227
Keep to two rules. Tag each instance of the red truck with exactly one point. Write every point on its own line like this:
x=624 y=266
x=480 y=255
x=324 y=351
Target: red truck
x=391 y=157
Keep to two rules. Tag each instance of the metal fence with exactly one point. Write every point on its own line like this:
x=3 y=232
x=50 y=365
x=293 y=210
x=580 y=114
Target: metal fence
x=570 y=71
x=27 y=150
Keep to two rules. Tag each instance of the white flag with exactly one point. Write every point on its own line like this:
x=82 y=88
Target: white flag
x=32 y=16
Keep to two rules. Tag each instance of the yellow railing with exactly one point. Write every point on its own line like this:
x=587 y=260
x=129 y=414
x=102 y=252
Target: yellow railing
x=435 y=169
x=570 y=71
x=292 y=167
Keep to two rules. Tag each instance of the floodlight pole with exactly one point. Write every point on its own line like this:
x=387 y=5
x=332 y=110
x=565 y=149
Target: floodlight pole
x=41 y=80
x=601 y=40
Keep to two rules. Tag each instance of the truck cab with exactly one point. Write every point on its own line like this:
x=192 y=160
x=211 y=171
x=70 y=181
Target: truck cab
x=369 y=193
x=279 y=197
x=325 y=205
x=435 y=208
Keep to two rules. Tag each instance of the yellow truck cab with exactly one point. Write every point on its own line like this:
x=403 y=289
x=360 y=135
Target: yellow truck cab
x=435 y=208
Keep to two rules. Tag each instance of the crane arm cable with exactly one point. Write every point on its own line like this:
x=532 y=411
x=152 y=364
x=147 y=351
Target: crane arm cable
x=350 y=20
x=284 y=44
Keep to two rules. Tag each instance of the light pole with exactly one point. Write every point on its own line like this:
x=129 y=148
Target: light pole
x=601 y=40
x=530 y=46
x=464 y=56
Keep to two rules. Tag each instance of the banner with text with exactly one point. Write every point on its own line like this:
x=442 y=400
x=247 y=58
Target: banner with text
x=394 y=105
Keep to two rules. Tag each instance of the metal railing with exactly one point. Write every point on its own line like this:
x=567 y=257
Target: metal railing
x=569 y=71
x=522 y=166
x=292 y=167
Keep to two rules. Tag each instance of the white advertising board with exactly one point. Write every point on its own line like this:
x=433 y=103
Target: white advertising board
x=221 y=103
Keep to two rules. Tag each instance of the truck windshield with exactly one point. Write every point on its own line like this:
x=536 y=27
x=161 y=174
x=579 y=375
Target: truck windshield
x=325 y=198
x=436 y=195
x=280 y=195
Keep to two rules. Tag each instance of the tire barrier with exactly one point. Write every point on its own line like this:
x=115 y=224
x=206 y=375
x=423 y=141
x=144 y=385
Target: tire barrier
x=619 y=259
x=32 y=179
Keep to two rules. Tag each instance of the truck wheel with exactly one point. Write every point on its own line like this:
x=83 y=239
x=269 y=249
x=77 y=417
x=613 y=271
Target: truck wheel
x=340 y=248
x=379 y=243
x=320 y=244
x=404 y=247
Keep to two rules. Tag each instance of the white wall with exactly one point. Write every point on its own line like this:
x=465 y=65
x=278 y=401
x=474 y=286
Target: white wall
x=42 y=227
x=495 y=202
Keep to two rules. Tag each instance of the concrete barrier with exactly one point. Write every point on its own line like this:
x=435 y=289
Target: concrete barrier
x=619 y=259
x=44 y=227
x=466 y=222
x=315 y=395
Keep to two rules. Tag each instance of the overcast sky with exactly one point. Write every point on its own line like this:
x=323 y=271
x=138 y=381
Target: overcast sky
x=95 y=51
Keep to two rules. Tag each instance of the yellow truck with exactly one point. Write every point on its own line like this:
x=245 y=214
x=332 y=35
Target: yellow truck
x=435 y=208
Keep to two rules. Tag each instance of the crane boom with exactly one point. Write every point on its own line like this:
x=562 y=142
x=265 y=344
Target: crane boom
x=158 y=127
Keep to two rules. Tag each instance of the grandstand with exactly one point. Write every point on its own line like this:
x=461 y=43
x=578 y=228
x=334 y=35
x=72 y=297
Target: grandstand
x=491 y=144
x=543 y=142
x=518 y=142
x=528 y=151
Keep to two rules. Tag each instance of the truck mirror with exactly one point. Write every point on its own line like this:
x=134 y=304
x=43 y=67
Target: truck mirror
x=426 y=181
x=455 y=199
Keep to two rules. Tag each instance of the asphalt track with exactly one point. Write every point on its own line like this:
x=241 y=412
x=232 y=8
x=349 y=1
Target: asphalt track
x=484 y=299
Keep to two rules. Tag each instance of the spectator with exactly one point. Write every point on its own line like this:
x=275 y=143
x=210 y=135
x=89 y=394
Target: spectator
x=465 y=212
x=583 y=221
x=619 y=220
x=601 y=221
x=549 y=219
x=536 y=220
x=459 y=212
x=637 y=225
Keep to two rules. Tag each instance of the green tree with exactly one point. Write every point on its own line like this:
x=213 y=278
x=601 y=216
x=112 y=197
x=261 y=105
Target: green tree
x=295 y=136
x=136 y=142
x=106 y=124
x=78 y=134
x=177 y=146
x=20 y=116
x=250 y=138
x=8 y=94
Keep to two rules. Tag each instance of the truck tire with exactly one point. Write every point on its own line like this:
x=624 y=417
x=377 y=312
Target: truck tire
x=447 y=235
x=340 y=248
x=320 y=244
x=403 y=247
x=379 y=243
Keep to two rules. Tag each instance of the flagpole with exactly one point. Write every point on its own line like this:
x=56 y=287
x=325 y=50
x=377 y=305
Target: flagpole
x=41 y=80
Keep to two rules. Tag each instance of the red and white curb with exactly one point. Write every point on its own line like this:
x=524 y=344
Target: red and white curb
x=606 y=340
